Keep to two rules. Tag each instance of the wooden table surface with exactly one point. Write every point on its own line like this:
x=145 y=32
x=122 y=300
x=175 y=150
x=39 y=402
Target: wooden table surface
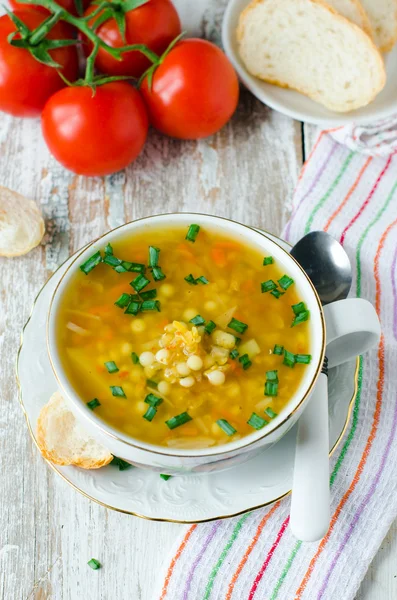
x=246 y=172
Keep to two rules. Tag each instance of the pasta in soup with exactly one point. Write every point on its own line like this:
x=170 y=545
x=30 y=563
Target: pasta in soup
x=183 y=338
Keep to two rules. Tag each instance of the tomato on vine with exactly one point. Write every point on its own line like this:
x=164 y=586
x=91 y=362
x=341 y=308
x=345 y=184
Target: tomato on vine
x=154 y=23
x=69 y=5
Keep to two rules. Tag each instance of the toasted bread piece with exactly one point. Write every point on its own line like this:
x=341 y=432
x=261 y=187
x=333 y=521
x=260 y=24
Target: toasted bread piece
x=354 y=11
x=383 y=17
x=306 y=46
x=21 y=224
x=63 y=441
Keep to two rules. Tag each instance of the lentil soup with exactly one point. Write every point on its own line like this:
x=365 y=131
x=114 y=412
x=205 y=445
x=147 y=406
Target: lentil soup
x=183 y=337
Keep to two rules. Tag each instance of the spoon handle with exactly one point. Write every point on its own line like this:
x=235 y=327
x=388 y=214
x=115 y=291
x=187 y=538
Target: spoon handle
x=310 y=512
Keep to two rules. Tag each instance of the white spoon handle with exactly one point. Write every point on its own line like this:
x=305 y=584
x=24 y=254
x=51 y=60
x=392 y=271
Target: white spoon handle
x=310 y=512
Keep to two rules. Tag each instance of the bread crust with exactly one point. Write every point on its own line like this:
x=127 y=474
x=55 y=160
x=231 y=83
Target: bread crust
x=14 y=206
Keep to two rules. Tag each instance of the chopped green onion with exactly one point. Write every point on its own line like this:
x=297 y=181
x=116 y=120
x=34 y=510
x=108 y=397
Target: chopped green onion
x=134 y=358
x=136 y=267
x=197 y=320
x=270 y=412
x=150 y=413
x=120 y=269
x=268 y=286
x=289 y=359
x=190 y=279
x=129 y=266
x=234 y=353
x=111 y=366
x=285 y=282
x=157 y=274
x=133 y=308
x=120 y=463
x=238 y=340
x=304 y=359
x=271 y=388
x=202 y=280
x=139 y=282
x=301 y=318
x=152 y=384
x=298 y=308
x=93 y=403
x=151 y=305
x=94 y=564
x=238 y=326
x=268 y=260
x=256 y=421
x=245 y=361
x=165 y=477
x=149 y=295
x=277 y=293
x=192 y=233
x=112 y=260
x=108 y=249
x=278 y=350
x=226 y=427
x=118 y=391
x=123 y=301
x=210 y=326
x=91 y=263
x=271 y=376
x=153 y=400
x=153 y=256
x=178 y=420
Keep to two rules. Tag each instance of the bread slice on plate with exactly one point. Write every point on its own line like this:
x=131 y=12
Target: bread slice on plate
x=306 y=46
x=383 y=17
x=63 y=441
x=354 y=11
x=21 y=224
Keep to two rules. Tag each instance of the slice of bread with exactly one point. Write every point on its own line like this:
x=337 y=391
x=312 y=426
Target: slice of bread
x=63 y=441
x=306 y=46
x=383 y=17
x=21 y=224
x=353 y=10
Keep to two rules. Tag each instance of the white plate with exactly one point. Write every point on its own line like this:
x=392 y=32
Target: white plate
x=183 y=499
x=297 y=105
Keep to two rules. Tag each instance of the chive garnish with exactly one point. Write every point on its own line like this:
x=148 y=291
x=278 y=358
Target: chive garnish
x=123 y=465
x=304 y=359
x=256 y=421
x=165 y=477
x=134 y=358
x=210 y=326
x=157 y=274
x=139 y=282
x=190 y=279
x=111 y=366
x=278 y=350
x=238 y=326
x=270 y=412
x=91 y=263
x=108 y=249
x=149 y=295
x=153 y=256
x=268 y=286
x=192 y=233
x=136 y=267
x=118 y=391
x=94 y=564
x=285 y=282
x=197 y=320
x=301 y=318
x=226 y=427
x=153 y=400
x=271 y=388
x=234 y=353
x=152 y=384
x=298 y=308
x=133 y=308
x=120 y=269
x=289 y=359
x=268 y=260
x=93 y=403
x=178 y=420
x=238 y=340
x=150 y=413
x=276 y=293
x=245 y=361
x=151 y=305
x=123 y=301
x=111 y=260
x=272 y=376
x=202 y=280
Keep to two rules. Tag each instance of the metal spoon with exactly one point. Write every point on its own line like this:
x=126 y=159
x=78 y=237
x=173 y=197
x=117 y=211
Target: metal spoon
x=328 y=266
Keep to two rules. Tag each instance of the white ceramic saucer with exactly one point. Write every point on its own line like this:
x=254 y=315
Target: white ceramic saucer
x=184 y=499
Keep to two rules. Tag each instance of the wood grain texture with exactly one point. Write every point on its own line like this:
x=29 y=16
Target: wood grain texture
x=247 y=172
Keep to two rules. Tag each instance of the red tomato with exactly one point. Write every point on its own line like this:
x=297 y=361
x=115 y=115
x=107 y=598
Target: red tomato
x=154 y=24
x=95 y=134
x=194 y=91
x=26 y=84
x=68 y=4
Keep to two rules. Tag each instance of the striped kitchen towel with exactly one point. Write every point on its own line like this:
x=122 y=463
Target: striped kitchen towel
x=255 y=556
